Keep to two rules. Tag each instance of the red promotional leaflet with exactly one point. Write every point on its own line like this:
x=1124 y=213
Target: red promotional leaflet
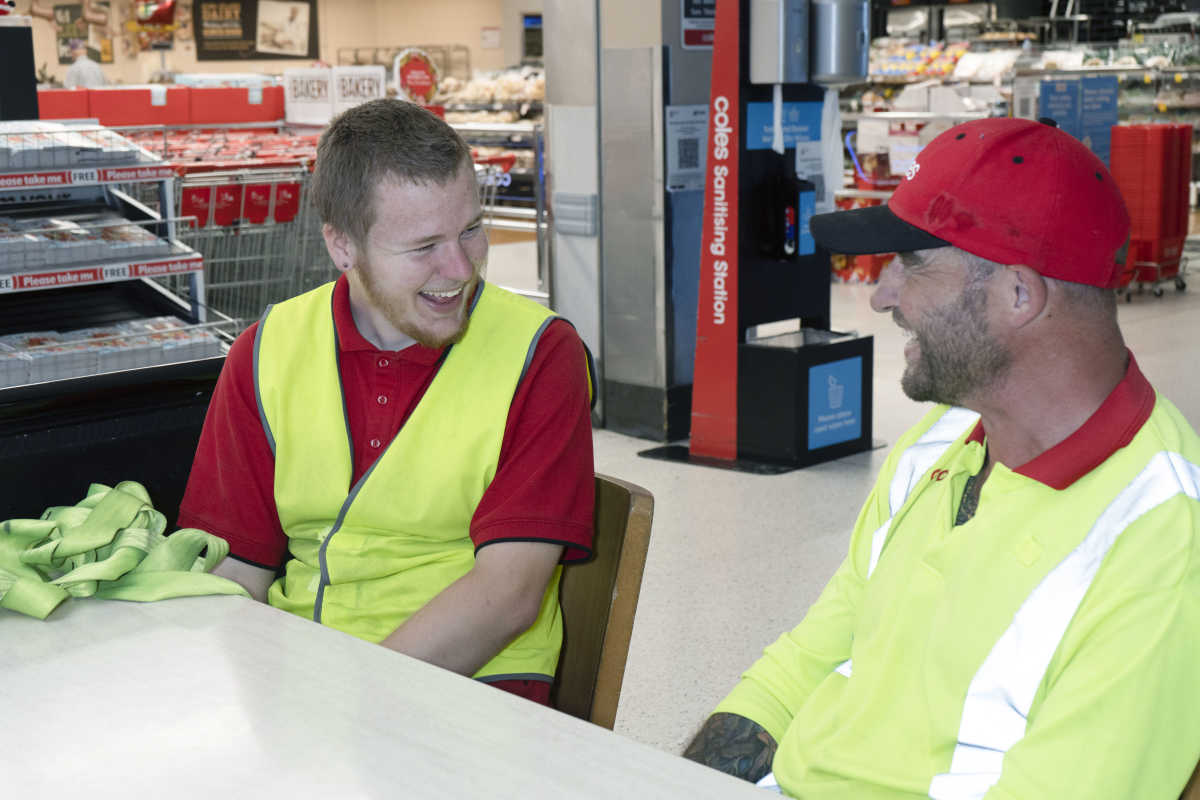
x=258 y=202
x=66 y=277
x=228 y=205
x=195 y=201
x=287 y=201
x=714 y=387
x=157 y=268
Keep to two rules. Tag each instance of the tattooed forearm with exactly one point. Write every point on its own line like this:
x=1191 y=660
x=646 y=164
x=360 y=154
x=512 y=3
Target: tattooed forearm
x=734 y=745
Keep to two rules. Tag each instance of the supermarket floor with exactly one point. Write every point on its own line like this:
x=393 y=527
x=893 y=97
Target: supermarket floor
x=736 y=559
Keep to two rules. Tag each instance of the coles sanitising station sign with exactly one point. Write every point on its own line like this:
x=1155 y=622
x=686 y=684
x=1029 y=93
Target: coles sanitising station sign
x=714 y=387
x=101 y=273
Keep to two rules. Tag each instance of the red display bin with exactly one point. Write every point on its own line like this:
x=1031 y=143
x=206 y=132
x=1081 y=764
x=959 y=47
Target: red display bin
x=1153 y=260
x=230 y=105
x=134 y=105
x=1152 y=166
x=63 y=103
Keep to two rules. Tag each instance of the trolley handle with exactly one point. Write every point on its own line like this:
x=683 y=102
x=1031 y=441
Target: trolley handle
x=505 y=161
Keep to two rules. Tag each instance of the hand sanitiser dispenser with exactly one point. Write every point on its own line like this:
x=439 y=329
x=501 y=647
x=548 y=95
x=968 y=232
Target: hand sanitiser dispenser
x=840 y=41
x=779 y=41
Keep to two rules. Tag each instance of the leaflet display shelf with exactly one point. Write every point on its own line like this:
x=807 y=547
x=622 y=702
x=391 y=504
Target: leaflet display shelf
x=139 y=422
x=43 y=155
x=108 y=272
x=88 y=176
x=69 y=234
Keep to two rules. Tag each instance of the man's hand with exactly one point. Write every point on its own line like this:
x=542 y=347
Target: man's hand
x=734 y=745
x=475 y=617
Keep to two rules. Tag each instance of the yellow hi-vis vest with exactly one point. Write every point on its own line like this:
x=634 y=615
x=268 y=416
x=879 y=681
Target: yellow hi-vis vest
x=364 y=558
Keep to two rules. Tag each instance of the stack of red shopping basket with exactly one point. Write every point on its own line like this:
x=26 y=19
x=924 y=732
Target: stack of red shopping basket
x=1152 y=165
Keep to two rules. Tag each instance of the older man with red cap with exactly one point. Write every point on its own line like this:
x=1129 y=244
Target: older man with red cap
x=1018 y=613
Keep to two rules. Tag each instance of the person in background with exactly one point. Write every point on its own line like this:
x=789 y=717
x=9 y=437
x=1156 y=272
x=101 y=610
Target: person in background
x=405 y=454
x=83 y=72
x=1018 y=613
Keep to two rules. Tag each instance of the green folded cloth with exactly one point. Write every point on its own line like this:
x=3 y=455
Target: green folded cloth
x=112 y=545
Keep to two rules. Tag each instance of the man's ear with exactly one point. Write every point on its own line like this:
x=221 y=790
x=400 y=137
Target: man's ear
x=341 y=247
x=1024 y=293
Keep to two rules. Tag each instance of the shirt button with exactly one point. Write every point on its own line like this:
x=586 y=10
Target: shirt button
x=382 y=400
x=383 y=362
x=375 y=443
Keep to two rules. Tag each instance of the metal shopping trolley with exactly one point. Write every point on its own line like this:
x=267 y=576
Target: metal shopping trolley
x=243 y=196
x=260 y=239
x=492 y=172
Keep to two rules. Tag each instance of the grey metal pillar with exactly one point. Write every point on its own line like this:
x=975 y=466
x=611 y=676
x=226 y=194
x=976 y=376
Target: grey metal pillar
x=573 y=169
x=631 y=200
x=630 y=288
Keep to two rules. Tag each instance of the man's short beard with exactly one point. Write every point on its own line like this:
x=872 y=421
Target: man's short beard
x=957 y=356
x=394 y=314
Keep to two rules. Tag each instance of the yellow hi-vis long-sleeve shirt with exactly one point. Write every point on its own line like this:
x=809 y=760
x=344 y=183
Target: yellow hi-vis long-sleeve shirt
x=1047 y=648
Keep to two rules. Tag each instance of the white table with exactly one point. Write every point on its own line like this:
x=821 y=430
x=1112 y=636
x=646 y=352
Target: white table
x=222 y=697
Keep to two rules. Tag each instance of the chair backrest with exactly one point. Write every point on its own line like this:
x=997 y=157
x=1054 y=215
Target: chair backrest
x=599 y=598
x=1192 y=790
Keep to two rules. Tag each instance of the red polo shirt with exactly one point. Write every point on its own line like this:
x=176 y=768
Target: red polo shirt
x=1110 y=427
x=542 y=490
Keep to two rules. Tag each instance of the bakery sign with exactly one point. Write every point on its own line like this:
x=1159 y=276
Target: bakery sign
x=355 y=85
x=415 y=76
x=308 y=95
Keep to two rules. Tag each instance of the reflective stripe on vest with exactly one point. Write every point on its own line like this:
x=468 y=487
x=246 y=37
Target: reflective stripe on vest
x=1001 y=693
x=911 y=466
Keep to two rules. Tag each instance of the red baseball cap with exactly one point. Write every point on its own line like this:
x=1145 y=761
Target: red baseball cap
x=1014 y=191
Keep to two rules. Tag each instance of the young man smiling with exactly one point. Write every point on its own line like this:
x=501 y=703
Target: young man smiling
x=1017 y=614
x=405 y=454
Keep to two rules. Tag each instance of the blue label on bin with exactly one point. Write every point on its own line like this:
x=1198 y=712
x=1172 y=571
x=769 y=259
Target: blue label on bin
x=834 y=402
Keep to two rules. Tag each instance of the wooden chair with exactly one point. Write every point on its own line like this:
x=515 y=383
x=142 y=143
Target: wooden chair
x=1192 y=790
x=599 y=598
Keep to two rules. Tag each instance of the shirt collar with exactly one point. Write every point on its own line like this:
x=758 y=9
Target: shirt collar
x=350 y=340
x=1111 y=427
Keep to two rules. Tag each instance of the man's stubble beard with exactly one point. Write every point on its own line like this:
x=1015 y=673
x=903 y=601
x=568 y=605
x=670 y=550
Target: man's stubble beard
x=394 y=313
x=958 y=357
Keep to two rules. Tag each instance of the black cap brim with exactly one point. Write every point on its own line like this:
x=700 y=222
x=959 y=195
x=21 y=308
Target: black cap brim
x=870 y=230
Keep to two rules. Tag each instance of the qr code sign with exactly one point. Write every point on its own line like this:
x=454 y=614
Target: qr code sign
x=688 y=154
